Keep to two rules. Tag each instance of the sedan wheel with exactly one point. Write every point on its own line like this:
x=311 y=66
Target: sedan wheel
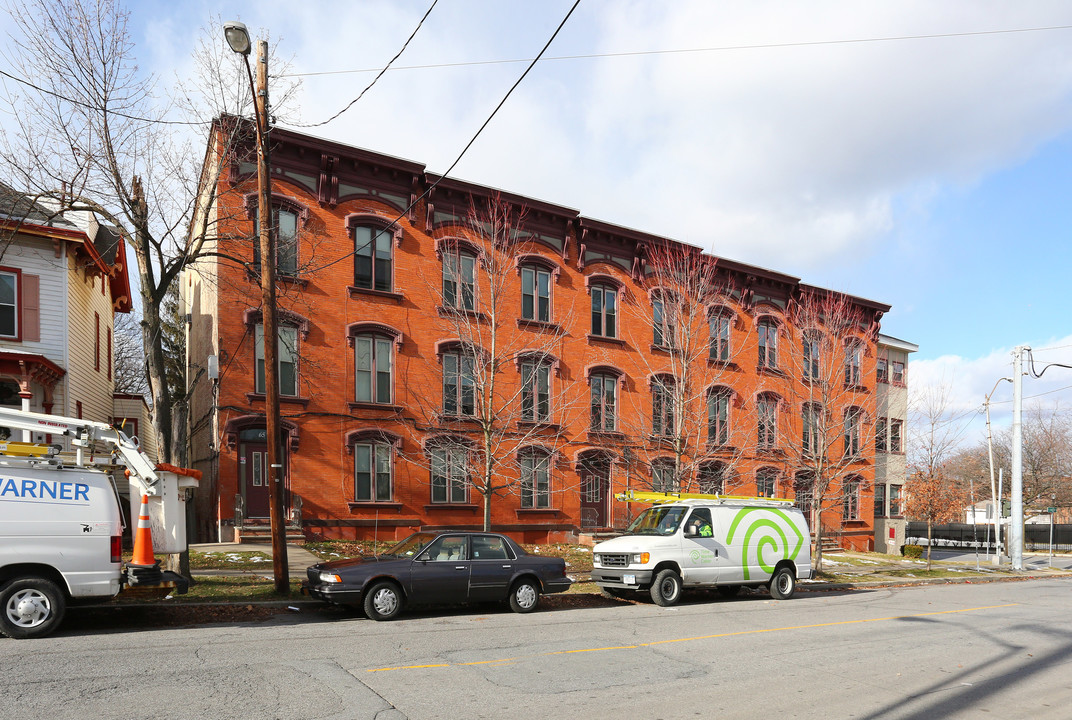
x=383 y=601
x=525 y=596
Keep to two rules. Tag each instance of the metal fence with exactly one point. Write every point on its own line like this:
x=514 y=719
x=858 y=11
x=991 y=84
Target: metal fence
x=962 y=535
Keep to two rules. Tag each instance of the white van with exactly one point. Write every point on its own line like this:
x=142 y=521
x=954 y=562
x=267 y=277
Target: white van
x=61 y=525
x=715 y=542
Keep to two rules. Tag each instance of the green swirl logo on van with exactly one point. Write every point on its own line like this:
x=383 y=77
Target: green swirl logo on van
x=772 y=535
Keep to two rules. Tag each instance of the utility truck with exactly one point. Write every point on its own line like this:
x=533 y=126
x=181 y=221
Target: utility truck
x=61 y=523
x=700 y=541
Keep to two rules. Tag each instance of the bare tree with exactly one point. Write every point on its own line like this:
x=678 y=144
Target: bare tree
x=498 y=420
x=128 y=356
x=684 y=437
x=92 y=137
x=828 y=440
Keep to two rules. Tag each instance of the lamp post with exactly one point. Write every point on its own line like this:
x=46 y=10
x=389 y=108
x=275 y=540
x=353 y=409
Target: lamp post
x=238 y=39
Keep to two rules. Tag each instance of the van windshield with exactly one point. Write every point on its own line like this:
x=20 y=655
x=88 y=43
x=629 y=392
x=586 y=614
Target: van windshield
x=657 y=521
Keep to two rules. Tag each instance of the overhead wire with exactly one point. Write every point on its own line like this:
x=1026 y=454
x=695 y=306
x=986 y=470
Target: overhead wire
x=97 y=108
x=472 y=140
x=378 y=76
x=722 y=48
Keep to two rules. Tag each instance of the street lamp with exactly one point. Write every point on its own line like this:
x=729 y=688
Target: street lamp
x=238 y=39
x=237 y=36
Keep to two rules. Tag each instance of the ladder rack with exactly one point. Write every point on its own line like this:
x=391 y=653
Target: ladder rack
x=697 y=498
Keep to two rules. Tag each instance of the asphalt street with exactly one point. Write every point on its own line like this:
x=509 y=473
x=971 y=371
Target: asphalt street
x=951 y=651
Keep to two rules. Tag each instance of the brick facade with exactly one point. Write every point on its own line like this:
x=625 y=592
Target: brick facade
x=364 y=440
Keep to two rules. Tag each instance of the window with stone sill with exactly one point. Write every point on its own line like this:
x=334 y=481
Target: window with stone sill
x=536 y=293
x=604 y=311
x=535 y=479
x=287 y=356
x=373 y=463
x=373 y=258
x=450 y=474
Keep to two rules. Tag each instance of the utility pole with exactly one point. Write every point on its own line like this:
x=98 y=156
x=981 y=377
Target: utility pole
x=995 y=496
x=238 y=39
x=271 y=334
x=1016 y=525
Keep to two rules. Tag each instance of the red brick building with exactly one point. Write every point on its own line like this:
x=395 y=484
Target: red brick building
x=443 y=343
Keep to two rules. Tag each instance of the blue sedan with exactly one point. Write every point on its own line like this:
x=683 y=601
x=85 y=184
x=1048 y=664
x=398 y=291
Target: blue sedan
x=440 y=568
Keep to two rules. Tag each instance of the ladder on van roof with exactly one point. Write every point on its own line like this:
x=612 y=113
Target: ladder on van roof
x=674 y=497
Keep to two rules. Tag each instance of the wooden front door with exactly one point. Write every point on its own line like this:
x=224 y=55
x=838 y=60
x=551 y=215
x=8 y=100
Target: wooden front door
x=595 y=488
x=253 y=469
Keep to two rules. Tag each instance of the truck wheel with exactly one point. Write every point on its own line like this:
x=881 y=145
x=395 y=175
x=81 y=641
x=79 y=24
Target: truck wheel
x=525 y=596
x=30 y=607
x=383 y=601
x=783 y=584
x=666 y=590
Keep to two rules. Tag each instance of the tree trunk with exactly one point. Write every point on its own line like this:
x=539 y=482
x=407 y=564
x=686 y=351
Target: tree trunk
x=929 y=542
x=818 y=543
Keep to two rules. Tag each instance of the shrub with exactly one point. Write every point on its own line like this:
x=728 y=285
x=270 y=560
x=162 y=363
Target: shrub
x=912 y=551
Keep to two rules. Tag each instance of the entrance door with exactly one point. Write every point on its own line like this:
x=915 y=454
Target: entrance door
x=253 y=468
x=595 y=487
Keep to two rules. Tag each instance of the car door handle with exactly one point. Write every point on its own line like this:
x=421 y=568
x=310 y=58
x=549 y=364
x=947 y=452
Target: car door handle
x=459 y=567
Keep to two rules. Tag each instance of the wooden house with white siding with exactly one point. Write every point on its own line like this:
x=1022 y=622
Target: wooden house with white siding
x=62 y=279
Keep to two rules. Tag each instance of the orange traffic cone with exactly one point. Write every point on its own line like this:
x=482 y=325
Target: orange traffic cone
x=143 y=537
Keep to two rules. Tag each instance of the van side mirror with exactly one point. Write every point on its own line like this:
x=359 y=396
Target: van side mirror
x=691 y=531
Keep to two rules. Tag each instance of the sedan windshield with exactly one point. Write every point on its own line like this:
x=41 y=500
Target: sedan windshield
x=412 y=545
x=657 y=521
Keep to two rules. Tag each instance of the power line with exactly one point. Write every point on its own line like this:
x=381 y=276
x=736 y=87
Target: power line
x=475 y=136
x=379 y=75
x=722 y=48
x=97 y=108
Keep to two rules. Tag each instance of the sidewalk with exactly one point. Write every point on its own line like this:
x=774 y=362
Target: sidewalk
x=298 y=558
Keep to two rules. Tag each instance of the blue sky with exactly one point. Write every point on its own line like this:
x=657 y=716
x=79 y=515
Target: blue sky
x=932 y=174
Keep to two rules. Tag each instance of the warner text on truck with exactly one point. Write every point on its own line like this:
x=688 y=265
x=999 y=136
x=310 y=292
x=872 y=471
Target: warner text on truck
x=61 y=523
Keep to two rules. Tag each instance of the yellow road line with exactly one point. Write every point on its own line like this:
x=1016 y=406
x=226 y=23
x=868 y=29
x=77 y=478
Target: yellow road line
x=699 y=637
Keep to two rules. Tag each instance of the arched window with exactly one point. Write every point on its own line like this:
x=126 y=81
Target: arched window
x=662 y=405
x=286 y=355
x=811 y=343
x=373 y=368
x=766 y=482
x=852 y=424
x=853 y=353
x=459 y=275
x=535 y=387
x=535 y=465
x=766 y=420
x=768 y=343
x=712 y=477
x=804 y=492
x=450 y=469
x=604 y=309
x=287 y=218
x=811 y=428
x=850 y=498
x=459 y=381
x=604 y=382
x=373 y=453
x=718 y=416
x=665 y=316
x=663 y=477
x=720 y=324
x=536 y=282
x=373 y=256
